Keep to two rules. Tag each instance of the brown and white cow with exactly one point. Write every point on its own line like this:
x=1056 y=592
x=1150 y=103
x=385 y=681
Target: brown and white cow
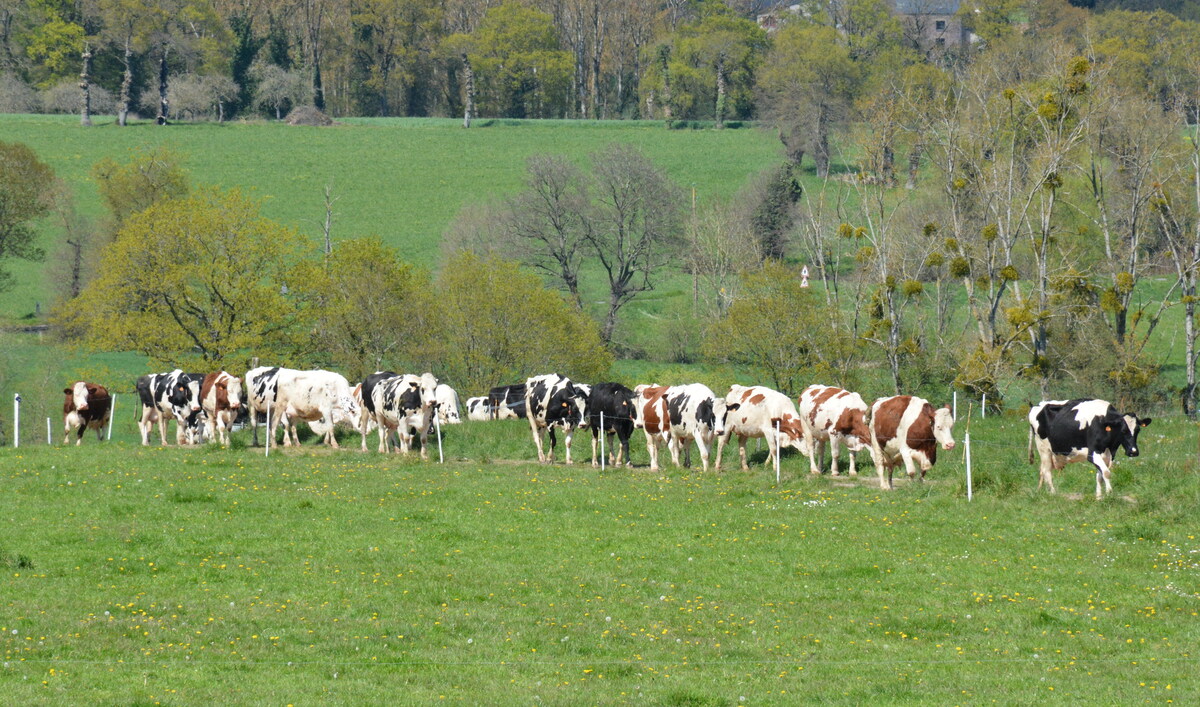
x=87 y=406
x=678 y=415
x=755 y=413
x=833 y=416
x=905 y=428
x=321 y=398
x=220 y=397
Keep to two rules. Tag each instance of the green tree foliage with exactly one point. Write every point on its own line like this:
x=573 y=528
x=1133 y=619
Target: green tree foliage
x=368 y=310
x=26 y=194
x=201 y=278
x=499 y=324
x=775 y=211
x=520 y=70
x=712 y=64
x=807 y=86
x=781 y=329
x=393 y=53
x=152 y=175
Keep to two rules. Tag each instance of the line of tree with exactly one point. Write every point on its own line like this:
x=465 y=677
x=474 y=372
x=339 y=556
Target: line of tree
x=671 y=59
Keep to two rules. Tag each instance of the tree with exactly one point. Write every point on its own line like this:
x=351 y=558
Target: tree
x=635 y=226
x=713 y=65
x=369 y=311
x=774 y=196
x=806 y=87
x=279 y=90
x=393 y=41
x=152 y=175
x=720 y=246
x=518 y=69
x=487 y=307
x=201 y=278
x=26 y=194
x=549 y=219
x=784 y=330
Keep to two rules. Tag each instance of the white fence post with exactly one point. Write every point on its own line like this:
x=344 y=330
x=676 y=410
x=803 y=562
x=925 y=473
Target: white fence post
x=601 y=440
x=16 y=420
x=437 y=425
x=955 y=411
x=776 y=452
x=112 y=412
x=269 y=435
x=967 y=450
x=983 y=408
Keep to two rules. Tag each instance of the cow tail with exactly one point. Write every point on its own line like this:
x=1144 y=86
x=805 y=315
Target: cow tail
x=1029 y=448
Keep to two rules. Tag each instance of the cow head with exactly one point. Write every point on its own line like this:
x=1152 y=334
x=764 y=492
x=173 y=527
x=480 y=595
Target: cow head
x=943 y=427
x=185 y=391
x=567 y=407
x=346 y=410
x=79 y=395
x=1129 y=426
x=721 y=410
x=428 y=385
x=852 y=425
x=233 y=391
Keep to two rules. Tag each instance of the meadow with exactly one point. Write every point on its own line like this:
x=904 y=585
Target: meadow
x=182 y=576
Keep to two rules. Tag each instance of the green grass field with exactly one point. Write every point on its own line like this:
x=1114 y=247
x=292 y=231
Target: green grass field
x=190 y=576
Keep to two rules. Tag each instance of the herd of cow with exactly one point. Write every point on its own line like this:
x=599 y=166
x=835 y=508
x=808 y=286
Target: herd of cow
x=897 y=430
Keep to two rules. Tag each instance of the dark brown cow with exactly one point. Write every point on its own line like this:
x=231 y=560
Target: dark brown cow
x=87 y=406
x=907 y=428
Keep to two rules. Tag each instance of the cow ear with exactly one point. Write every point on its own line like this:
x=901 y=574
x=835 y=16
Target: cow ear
x=67 y=391
x=734 y=406
x=1145 y=422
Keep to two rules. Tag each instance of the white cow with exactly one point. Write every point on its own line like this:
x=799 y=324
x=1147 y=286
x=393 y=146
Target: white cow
x=754 y=412
x=833 y=416
x=447 y=405
x=315 y=396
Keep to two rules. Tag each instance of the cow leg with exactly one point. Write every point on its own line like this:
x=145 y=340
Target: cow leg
x=673 y=448
x=877 y=459
x=850 y=455
x=652 y=451
x=253 y=427
x=772 y=446
x=1046 y=466
x=703 y=452
x=595 y=447
x=553 y=443
x=816 y=455
x=625 y=449
x=742 y=452
x=162 y=429
x=537 y=437
x=834 y=451
x=568 y=433
x=721 y=441
x=910 y=467
x=1102 y=474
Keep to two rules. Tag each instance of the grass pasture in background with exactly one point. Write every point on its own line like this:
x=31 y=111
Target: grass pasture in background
x=187 y=576
x=403 y=179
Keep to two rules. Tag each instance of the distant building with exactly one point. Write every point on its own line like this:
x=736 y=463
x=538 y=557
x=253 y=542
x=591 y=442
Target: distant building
x=932 y=23
x=770 y=21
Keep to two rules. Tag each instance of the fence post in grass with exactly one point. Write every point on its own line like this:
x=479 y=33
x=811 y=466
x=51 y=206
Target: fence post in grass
x=983 y=408
x=967 y=454
x=955 y=410
x=437 y=426
x=112 y=412
x=16 y=420
x=601 y=440
x=777 y=450
x=49 y=441
x=269 y=435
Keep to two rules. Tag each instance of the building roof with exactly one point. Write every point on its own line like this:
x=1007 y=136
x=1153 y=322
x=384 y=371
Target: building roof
x=926 y=7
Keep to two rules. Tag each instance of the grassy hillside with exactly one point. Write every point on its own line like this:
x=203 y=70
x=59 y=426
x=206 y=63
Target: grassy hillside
x=193 y=576
x=402 y=179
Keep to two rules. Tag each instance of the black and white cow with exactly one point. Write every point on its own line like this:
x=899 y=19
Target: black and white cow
x=478 y=409
x=611 y=409
x=507 y=402
x=447 y=405
x=404 y=404
x=1082 y=430
x=170 y=396
x=262 y=391
x=554 y=401
x=678 y=415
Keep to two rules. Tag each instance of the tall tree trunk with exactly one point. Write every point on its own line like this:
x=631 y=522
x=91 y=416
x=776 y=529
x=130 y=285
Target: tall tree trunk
x=469 y=86
x=163 y=106
x=597 y=53
x=126 y=84
x=665 y=57
x=720 y=108
x=85 y=87
x=1189 y=342
x=822 y=151
x=914 y=164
